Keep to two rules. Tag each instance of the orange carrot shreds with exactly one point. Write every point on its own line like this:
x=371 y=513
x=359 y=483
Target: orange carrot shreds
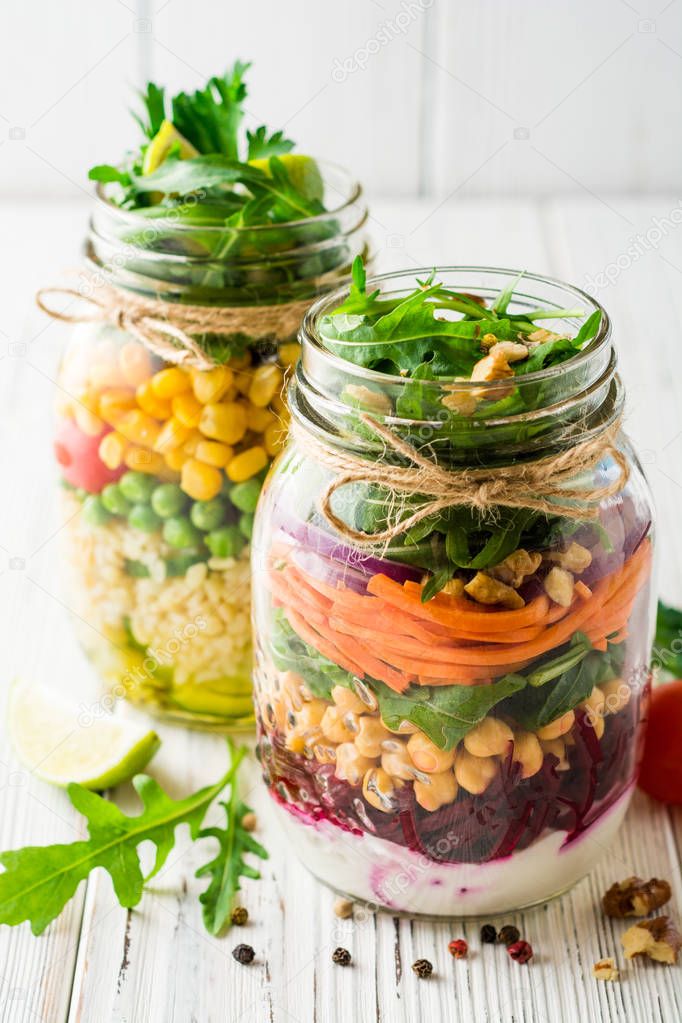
x=583 y=591
x=387 y=620
x=287 y=597
x=299 y=584
x=370 y=660
x=310 y=636
x=330 y=593
x=403 y=643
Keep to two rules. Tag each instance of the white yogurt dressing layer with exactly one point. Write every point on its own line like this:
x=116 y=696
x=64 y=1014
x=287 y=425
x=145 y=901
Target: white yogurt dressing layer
x=376 y=871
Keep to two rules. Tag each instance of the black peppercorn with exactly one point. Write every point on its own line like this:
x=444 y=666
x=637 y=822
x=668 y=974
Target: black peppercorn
x=422 y=967
x=243 y=954
x=239 y=915
x=341 y=956
x=509 y=935
x=488 y=934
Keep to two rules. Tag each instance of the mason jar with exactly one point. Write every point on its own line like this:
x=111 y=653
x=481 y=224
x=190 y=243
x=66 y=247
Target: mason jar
x=458 y=753
x=162 y=451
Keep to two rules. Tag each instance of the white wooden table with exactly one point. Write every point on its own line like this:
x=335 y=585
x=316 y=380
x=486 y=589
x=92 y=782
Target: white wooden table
x=97 y=962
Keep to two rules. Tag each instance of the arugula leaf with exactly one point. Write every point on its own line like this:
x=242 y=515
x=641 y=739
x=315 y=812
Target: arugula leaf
x=228 y=865
x=182 y=177
x=504 y=298
x=38 y=881
x=261 y=145
x=210 y=117
x=154 y=102
x=105 y=173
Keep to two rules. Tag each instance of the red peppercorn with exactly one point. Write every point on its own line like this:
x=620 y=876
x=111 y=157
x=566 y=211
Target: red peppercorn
x=520 y=951
x=458 y=948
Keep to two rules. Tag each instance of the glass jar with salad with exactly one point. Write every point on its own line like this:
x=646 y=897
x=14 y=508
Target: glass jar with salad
x=204 y=250
x=453 y=603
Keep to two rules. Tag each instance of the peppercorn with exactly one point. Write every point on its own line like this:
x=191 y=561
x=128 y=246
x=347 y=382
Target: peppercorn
x=243 y=954
x=239 y=915
x=458 y=948
x=520 y=951
x=343 y=908
x=488 y=934
x=249 y=821
x=341 y=956
x=508 y=935
x=423 y=968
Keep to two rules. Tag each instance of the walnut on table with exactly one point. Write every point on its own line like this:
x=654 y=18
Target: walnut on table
x=657 y=939
x=606 y=969
x=635 y=897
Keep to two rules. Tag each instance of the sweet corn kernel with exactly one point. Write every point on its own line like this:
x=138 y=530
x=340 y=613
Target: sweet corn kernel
x=278 y=404
x=225 y=422
x=112 y=448
x=275 y=437
x=105 y=374
x=187 y=409
x=134 y=363
x=258 y=419
x=214 y=453
x=169 y=382
x=87 y=421
x=202 y=482
x=246 y=464
x=211 y=385
x=172 y=435
x=143 y=460
x=241 y=361
x=265 y=383
x=192 y=442
x=242 y=381
x=149 y=402
x=289 y=353
x=175 y=459
x=114 y=403
x=139 y=428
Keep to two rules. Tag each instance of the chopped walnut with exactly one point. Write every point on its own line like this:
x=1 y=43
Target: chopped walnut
x=515 y=567
x=462 y=401
x=486 y=590
x=575 y=558
x=559 y=586
x=635 y=897
x=606 y=969
x=541 y=335
x=454 y=588
x=369 y=399
x=658 y=939
x=490 y=368
x=510 y=351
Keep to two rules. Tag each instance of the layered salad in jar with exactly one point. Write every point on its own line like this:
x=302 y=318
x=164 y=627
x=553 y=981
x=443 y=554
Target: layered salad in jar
x=449 y=693
x=166 y=430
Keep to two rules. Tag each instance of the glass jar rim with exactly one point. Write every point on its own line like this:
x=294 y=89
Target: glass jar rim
x=310 y=335
x=354 y=193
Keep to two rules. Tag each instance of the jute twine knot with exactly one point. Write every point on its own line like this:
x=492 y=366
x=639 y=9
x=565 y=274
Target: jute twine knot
x=170 y=329
x=546 y=485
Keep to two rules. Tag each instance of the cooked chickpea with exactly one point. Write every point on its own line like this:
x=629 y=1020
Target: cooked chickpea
x=616 y=695
x=426 y=756
x=595 y=701
x=557 y=727
x=334 y=727
x=324 y=753
x=346 y=700
x=273 y=711
x=302 y=740
x=528 y=753
x=290 y=686
x=398 y=764
x=474 y=773
x=558 y=748
x=310 y=715
x=379 y=790
x=490 y=737
x=370 y=735
x=438 y=790
x=351 y=766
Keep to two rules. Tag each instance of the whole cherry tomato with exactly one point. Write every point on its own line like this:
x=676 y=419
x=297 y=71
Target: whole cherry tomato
x=661 y=771
x=80 y=463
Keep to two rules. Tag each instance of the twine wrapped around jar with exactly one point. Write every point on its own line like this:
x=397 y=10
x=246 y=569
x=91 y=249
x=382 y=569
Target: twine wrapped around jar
x=169 y=329
x=545 y=485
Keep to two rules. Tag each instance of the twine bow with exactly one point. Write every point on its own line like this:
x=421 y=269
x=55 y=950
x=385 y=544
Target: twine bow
x=546 y=484
x=170 y=329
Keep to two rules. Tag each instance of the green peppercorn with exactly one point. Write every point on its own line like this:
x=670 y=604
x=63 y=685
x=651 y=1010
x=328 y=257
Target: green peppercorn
x=208 y=515
x=244 y=496
x=239 y=916
x=226 y=542
x=141 y=516
x=93 y=511
x=114 y=500
x=137 y=487
x=179 y=532
x=168 y=500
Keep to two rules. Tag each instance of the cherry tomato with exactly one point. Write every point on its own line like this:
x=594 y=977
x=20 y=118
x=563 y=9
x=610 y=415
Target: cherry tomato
x=661 y=771
x=80 y=463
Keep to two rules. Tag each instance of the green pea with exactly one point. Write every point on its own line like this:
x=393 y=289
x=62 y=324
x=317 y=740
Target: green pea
x=179 y=532
x=137 y=569
x=246 y=525
x=207 y=515
x=168 y=500
x=137 y=487
x=142 y=517
x=114 y=501
x=225 y=542
x=178 y=565
x=245 y=495
x=93 y=511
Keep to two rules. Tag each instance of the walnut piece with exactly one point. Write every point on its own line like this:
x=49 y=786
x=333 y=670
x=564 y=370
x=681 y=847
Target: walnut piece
x=515 y=567
x=454 y=588
x=510 y=351
x=461 y=401
x=605 y=969
x=657 y=939
x=575 y=558
x=486 y=590
x=559 y=586
x=367 y=398
x=490 y=368
x=635 y=897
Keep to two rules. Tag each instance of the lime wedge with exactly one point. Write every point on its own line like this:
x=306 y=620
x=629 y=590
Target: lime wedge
x=160 y=146
x=55 y=745
x=303 y=172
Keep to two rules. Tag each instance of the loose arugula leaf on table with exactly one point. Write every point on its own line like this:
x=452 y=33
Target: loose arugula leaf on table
x=38 y=881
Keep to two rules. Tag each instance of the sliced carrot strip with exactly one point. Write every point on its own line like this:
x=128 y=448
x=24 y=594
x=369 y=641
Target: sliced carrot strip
x=319 y=643
x=583 y=591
